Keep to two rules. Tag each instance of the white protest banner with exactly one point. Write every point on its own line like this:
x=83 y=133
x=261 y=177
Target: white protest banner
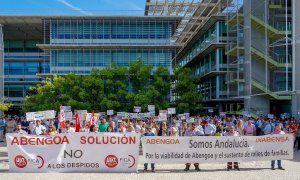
x=223 y=114
x=137 y=109
x=110 y=112
x=210 y=149
x=187 y=115
x=41 y=115
x=151 y=108
x=74 y=152
x=130 y=116
x=67 y=108
x=121 y=114
x=171 y=111
x=163 y=115
x=181 y=116
x=210 y=110
x=68 y=115
x=271 y=116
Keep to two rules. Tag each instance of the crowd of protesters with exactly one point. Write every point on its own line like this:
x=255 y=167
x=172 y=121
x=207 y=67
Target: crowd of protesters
x=201 y=126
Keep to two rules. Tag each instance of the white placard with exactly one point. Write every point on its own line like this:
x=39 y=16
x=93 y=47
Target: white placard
x=171 y=111
x=41 y=115
x=213 y=149
x=223 y=114
x=137 y=109
x=151 y=108
x=74 y=152
x=271 y=116
x=110 y=112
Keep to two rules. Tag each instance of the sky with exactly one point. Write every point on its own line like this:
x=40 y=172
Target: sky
x=72 y=7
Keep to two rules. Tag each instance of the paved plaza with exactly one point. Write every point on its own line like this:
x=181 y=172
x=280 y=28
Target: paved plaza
x=249 y=170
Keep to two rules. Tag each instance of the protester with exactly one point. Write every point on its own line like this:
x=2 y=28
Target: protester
x=232 y=132
x=44 y=131
x=103 y=125
x=163 y=131
x=38 y=128
x=110 y=129
x=286 y=129
x=93 y=128
x=130 y=129
x=249 y=129
x=267 y=128
x=210 y=128
x=19 y=130
x=10 y=125
x=240 y=127
x=219 y=129
x=120 y=128
x=69 y=128
x=174 y=130
x=277 y=131
x=84 y=127
x=193 y=131
x=52 y=130
x=32 y=126
x=149 y=133
x=2 y=128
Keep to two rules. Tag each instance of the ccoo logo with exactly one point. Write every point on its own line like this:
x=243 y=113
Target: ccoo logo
x=111 y=161
x=20 y=161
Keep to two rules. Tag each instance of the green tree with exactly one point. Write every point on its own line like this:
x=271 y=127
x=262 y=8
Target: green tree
x=80 y=92
x=140 y=76
x=115 y=82
x=5 y=107
x=188 y=98
x=159 y=90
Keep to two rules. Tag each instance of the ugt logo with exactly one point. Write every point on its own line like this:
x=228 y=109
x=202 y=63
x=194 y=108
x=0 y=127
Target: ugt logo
x=20 y=161
x=111 y=161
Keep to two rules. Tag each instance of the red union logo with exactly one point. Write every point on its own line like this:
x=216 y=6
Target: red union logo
x=111 y=161
x=20 y=161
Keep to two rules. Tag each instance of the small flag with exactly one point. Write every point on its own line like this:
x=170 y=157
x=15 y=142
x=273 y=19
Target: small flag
x=77 y=123
x=92 y=119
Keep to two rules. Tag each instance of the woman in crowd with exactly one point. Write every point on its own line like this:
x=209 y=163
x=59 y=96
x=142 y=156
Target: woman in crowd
x=52 y=130
x=219 y=131
x=110 y=128
x=239 y=127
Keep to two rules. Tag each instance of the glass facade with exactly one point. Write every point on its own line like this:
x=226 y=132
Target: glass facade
x=210 y=67
x=100 y=43
x=23 y=60
x=82 y=61
x=216 y=34
x=111 y=31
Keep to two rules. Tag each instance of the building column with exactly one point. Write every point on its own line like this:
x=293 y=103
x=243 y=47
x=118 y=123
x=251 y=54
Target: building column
x=1 y=65
x=247 y=54
x=296 y=59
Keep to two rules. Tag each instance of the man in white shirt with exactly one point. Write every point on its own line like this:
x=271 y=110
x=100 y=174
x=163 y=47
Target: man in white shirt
x=68 y=128
x=38 y=128
x=210 y=128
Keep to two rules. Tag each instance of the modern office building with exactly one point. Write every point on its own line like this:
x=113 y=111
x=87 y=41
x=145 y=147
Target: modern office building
x=244 y=53
x=246 y=58
x=36 y=47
